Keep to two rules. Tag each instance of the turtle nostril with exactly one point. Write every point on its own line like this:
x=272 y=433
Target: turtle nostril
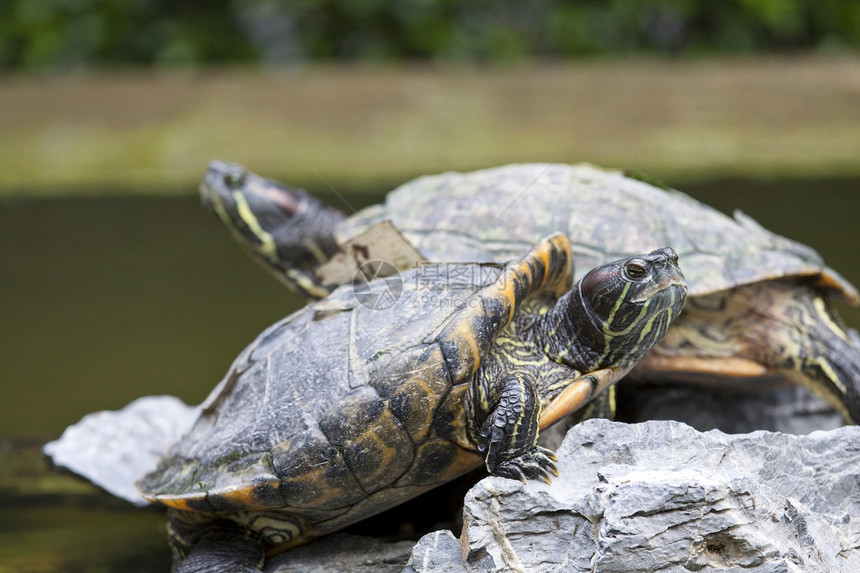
x=670 y=254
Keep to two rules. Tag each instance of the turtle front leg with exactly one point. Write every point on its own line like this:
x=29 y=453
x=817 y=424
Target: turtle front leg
x=509 y=431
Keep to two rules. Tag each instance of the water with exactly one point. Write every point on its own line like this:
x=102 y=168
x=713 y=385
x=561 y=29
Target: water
x=104 y=300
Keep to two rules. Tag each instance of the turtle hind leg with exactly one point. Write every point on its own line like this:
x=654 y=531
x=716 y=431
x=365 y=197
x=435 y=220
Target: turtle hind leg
x=508 y=436
x=779 y=330
x=219 y=545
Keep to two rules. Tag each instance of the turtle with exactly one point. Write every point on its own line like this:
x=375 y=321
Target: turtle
x=390 y=387
x=759 y=315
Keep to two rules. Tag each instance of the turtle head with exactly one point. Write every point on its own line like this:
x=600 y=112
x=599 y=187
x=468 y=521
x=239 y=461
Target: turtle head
x=631 y=303
x=618 y=311
x=288 y=231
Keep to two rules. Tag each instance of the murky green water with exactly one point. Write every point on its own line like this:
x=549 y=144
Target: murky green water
x=105 y=300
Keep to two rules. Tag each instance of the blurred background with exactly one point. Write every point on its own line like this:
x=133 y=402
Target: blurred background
x=115 y=284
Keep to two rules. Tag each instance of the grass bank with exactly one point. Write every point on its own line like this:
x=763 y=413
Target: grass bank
x=354 y=127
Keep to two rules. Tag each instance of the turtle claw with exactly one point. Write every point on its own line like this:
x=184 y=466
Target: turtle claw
x=508 y=437
x=538 y=463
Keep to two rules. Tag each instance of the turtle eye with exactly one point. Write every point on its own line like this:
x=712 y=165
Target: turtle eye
x=634 y=271
x=234 y=180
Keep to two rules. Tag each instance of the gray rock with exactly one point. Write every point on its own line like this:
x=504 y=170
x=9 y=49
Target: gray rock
x=793 y=410
x=438 y=552
x=657 y=496
x=113 y=449
x=342 y=552
x=661 y=496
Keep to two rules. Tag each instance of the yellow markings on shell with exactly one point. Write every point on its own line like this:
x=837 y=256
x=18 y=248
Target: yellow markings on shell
x=830 y=279
x=245 y=496
x=267 y=247
x=386 y=452
x=317 y=477
x=505 y=290
x=508 y=291
x=177 y=501
x=429 y=409
x=465 y=340
x=464 y=461
x=522 y=272
x=454 y=404
x=455 y=462
x=544 y=255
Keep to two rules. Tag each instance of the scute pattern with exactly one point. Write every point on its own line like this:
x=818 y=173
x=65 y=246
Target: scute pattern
x=413 y=385
x=313 y=473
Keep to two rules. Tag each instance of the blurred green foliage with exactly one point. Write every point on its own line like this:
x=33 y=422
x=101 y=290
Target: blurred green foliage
x=51 y=34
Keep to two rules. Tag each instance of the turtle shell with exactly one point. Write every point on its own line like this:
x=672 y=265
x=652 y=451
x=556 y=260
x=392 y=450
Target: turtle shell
x=354 y=403
x=494 y=214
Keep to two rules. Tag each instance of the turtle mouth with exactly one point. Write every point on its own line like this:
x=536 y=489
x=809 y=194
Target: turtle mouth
x=671 y=281
x=206 y=196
